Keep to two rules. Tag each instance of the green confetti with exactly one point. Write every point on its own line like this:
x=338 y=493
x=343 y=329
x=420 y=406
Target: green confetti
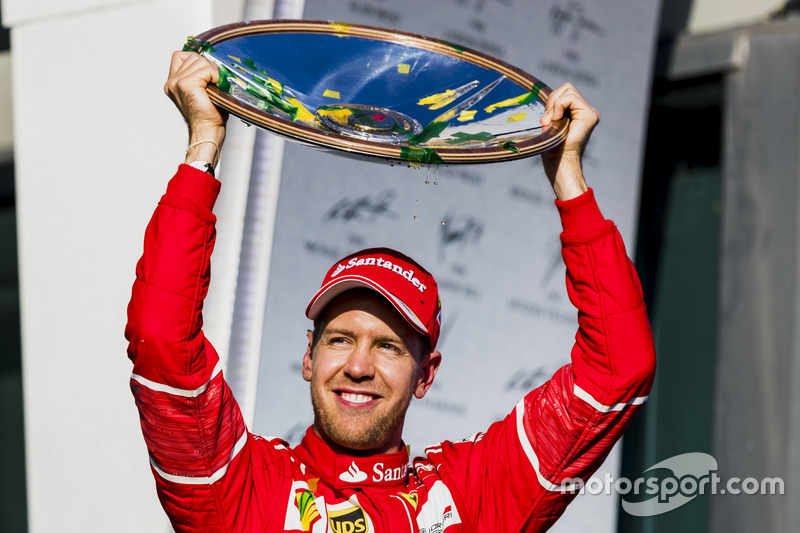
x=530 y=97
x=434 y=129
x=261 y=81
x=280 y=90
x=259 y=92
x=461 y=137
x=266 y=84
x=510 y=145
x=261 y=77
x=400 y=130
x=415 y=154
x=537 y=88
x=224 y=82
x=193 y=45
x=268 y=98
x=457 y=47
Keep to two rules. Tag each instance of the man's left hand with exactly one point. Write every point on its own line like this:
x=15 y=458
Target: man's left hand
x=562 y=164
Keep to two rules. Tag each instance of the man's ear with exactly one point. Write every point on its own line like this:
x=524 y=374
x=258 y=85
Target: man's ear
x=430 y=365
x=307 y=363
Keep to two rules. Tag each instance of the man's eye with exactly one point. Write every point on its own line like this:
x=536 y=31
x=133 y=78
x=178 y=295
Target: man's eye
x=389 y=347
x=336 y=341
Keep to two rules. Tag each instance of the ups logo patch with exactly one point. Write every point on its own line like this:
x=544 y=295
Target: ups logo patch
x=352 y=520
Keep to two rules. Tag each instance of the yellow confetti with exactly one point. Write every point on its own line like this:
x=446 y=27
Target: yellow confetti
x=303 y=114
x=447 y=116
x=466 y=115
x=336 y=115
x=402 y=68
x=517 y=117
x=437 y=101
x=238 y=60
x=507 y=103
x=331 y=94
x=278 y=85
x=341 y=27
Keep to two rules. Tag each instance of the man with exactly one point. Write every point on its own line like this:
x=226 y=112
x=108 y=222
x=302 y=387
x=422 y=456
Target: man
x=376 y=326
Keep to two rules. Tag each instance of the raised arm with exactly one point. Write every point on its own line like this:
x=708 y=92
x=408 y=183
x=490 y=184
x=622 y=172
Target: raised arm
x=518 y=474
x=196 y=438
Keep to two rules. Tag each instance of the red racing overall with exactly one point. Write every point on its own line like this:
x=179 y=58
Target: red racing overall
x=214 y=475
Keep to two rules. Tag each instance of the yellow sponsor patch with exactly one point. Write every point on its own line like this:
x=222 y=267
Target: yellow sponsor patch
x=413 y=499
x=309 y=513
x=352 y=520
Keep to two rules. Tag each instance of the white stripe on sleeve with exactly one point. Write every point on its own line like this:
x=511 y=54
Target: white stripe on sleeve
x=586 y=397
x=152 y=385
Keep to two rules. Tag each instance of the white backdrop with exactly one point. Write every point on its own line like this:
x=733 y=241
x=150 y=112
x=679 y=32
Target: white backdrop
x=95 y=140
x=488 y=233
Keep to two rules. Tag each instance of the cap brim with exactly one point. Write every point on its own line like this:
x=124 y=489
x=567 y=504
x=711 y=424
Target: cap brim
x=332 y=289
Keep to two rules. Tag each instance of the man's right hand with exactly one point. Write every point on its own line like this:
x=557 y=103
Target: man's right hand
x=189 y=75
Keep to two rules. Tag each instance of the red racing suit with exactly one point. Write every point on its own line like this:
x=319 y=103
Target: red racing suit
x=212 y=474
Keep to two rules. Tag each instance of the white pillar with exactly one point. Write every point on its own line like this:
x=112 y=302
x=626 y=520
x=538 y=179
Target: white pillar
x=96 y=140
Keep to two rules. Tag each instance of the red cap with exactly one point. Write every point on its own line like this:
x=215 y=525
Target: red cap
x=409 y=288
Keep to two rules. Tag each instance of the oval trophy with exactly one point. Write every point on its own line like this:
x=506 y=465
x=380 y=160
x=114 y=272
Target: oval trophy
x=367 y=91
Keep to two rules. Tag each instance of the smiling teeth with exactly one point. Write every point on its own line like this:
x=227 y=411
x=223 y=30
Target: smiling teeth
x=356 y=398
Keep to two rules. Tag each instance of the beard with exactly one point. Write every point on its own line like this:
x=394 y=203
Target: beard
x=360 y=430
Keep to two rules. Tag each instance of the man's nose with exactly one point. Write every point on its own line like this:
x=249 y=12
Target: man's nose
x=360 y=363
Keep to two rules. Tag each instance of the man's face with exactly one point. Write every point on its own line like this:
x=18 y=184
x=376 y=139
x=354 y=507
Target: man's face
x=363 y=370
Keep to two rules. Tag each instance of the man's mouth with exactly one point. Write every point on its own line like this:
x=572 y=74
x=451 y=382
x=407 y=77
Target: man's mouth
x=356 y=397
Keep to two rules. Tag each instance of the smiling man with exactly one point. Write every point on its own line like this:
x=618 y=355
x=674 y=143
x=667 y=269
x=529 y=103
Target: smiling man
x=377 y=317
x=372 y=348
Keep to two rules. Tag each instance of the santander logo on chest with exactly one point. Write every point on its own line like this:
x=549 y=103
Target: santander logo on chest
x=378 y=474
x=353 y=474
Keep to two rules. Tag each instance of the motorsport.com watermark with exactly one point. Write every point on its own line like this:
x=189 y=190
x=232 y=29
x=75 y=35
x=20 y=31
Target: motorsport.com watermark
x=692 y=474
